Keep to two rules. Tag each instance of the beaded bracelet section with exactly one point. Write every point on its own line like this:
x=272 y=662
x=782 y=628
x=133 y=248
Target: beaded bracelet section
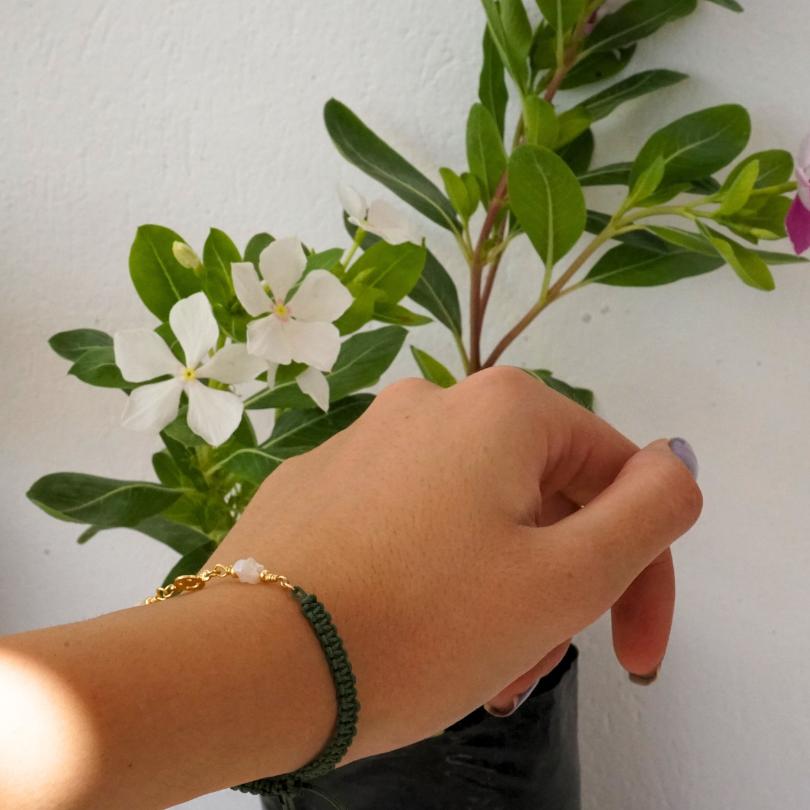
x=249 y=571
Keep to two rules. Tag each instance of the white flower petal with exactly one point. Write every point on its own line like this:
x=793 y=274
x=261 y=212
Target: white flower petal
x=353 y=202
x=321 y=297
x=214 y=415
x=152 y=407
x=389 y=223
x=315 y=343
x=249 y=289
x=232 y=364
x=282 y=263
x=266 y=338
x=194 y=325
x=272 y=369
x=142 y=355
x=315 y=385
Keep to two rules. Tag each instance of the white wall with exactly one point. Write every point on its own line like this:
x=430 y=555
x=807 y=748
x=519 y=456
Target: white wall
x=206 y=113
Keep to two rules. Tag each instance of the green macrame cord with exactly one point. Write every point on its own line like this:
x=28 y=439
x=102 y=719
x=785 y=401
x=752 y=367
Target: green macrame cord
x=288 y=785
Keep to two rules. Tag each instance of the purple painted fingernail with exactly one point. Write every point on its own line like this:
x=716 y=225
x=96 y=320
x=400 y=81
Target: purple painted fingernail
x=683 y=450
x=517 y=702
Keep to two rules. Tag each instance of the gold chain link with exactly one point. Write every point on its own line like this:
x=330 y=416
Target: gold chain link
x=194 y=582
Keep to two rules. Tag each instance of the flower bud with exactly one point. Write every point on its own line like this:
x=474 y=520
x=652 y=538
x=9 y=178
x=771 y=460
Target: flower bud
x=185 y=256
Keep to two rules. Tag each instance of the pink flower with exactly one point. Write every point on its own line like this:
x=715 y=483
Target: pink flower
x=798 y=218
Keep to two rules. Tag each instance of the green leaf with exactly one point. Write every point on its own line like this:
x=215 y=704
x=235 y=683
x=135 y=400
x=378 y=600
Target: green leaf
x=485 y=152
x=634 y=21
x=74 y=343
x=435 y=289
x=648 y=81
x=492 y=90
x=597 y=67
x=361 y=310
x=688 y=240
x=458 y=194
x=103 y=502
x=634 y=266
x=647 y=183
x=775 y=168
x=192 y=562
x=547 y=201
x=436 y=292
x=361 y=147
x=97 y=367
x=737 y=191
x=159 y=279
x=328 y=259
x=88 y=534
x=761 y=218
x=432 y=370
x=579 y=153
x=562 y=15
x=362 y=360
x=772 y=257
x=514 y=60
x=517 y=27
x=582 y=396
x=397 y=314
x=614 y=174
x=392 y=269
x=294 y=433
x=543 y=54
x=731 y=5
x=256 y=244
x=180 y=538
x=540 y=122
x=750 y=267
x=572 y=123
x=698 y=144
x=219 y=252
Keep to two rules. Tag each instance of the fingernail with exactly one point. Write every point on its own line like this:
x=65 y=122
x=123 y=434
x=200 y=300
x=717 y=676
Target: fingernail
x=517 y=702
x=683 y=450
x=644 y=680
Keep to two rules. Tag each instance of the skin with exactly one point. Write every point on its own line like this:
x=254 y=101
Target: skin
x=443 y=531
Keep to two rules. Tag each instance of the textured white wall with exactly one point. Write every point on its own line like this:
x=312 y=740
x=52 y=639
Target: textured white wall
x=206 y=113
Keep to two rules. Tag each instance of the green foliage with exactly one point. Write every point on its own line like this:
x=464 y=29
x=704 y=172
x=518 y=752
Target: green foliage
x=361 y=147
x=750 y=267
x=295 y=432
x=256 y=244
x=636 y=20
x=540 y=122
x=731 y=5
x=547 y=200
x=159 y=279
x=485 y=152
x=492 y=90
x=582 y=396
x=73 y=343
x=432 y=370
x=393 y=270
x=598 y=66
x=649 y=81
x=463 y=191
x=508 y=36
x=362 y=360
x=698 y=144
x=562 y=15
x=578 y=154
x=103 y=502
x=629 y=265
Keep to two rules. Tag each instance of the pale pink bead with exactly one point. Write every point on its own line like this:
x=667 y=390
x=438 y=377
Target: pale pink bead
x=248 y=570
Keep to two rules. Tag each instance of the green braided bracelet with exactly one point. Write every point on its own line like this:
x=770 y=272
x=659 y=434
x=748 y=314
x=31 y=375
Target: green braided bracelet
x=290 y=784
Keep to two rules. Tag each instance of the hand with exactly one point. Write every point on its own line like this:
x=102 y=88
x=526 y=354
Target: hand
x=443 y=532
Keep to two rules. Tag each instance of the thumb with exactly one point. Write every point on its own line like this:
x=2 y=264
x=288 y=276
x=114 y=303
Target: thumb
x=605 y=545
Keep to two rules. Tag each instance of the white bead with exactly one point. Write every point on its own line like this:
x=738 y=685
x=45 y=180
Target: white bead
x=248 y=570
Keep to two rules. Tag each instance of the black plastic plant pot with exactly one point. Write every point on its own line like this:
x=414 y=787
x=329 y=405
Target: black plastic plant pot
x=529 y=761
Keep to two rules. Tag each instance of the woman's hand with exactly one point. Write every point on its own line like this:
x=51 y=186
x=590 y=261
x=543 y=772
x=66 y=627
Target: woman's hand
x=443 y=532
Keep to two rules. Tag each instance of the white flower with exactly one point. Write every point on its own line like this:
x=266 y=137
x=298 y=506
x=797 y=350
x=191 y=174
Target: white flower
x=380 y=218
x=292 y=328
x=142 y=355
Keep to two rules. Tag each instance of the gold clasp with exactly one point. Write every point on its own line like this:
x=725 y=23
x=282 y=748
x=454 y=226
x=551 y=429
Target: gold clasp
x=188 y=582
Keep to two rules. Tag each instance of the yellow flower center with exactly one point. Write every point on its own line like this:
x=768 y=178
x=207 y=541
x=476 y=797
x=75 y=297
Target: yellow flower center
x=188 y=374
x=281 y=310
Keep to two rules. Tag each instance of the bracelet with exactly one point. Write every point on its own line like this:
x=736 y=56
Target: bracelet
x=290 y=784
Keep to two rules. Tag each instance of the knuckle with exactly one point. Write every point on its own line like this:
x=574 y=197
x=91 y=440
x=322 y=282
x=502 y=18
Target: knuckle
x=405 y=388
x=505 y=383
